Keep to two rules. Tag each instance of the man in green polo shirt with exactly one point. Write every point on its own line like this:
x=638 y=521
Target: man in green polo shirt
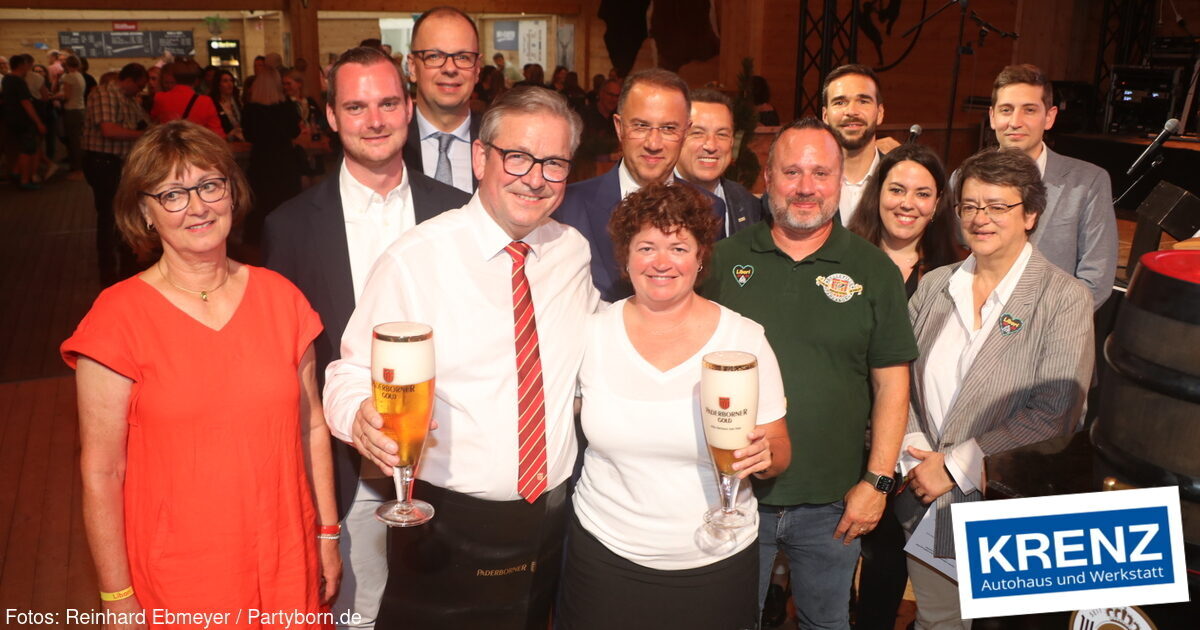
x=834 y=311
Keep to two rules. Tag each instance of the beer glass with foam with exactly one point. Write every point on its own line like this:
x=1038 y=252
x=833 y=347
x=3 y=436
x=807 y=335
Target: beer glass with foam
x=729 y=410
x=402 y=385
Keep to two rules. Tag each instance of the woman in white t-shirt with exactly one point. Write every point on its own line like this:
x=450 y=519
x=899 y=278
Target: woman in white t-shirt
x=636 y=553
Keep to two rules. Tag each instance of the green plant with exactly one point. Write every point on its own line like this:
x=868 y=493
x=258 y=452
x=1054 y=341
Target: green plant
x=216 y=24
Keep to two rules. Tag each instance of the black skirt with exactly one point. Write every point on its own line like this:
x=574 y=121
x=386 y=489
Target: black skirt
x=601 y=590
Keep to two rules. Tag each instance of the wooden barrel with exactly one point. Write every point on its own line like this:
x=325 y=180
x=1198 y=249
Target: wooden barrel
x=1148 y=428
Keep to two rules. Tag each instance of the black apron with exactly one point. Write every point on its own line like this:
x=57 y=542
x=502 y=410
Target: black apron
x=477 y=564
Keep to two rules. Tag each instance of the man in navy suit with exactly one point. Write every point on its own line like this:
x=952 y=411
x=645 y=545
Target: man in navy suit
x=651 y=121
x=707 y=152
x=325 y=241
x=443 y=65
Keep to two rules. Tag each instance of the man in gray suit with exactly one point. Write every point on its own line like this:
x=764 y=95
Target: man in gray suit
x=1078 y=230
x=706 y=153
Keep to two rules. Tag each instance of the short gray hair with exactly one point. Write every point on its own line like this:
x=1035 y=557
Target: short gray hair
x=529 y=100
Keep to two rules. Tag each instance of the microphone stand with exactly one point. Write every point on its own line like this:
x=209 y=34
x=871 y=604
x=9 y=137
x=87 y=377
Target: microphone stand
x=959 y=50
x=1147 y=234
x=1158 y=160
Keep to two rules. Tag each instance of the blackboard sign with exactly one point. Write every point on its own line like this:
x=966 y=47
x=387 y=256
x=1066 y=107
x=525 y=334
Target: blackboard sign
x=100 y=44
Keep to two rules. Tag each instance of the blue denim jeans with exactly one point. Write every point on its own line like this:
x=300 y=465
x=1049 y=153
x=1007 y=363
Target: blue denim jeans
x=822 y=567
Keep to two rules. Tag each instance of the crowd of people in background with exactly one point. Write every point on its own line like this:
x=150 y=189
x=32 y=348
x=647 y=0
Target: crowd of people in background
x=463 y=198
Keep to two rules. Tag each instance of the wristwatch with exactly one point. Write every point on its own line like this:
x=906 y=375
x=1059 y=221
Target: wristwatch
x=879 y=482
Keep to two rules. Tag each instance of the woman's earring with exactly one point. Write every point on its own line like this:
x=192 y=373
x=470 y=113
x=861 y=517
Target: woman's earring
x=150 y=226
x=701 y=267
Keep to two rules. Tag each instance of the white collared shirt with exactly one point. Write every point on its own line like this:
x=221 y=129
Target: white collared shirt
x=452 y=273
x=629 y=185
x=852 y=192
x=1041 y=161
x=372 y=221
x=950 y=359
x=460 y=151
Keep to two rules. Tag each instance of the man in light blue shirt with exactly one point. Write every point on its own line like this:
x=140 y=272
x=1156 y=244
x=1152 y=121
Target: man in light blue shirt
x=444 y=65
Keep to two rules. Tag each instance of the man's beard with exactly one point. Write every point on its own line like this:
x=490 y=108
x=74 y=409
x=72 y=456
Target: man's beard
x=781 y=216
x=854 y=144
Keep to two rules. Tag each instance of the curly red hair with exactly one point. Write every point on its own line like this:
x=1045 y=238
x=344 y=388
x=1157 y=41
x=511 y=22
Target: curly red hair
x=669 y=208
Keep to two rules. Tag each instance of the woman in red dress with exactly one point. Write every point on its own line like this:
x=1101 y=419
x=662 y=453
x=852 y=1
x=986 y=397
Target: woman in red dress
x=206 y=462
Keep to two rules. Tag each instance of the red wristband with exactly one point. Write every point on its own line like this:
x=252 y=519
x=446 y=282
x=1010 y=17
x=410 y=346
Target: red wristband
x=329 y=530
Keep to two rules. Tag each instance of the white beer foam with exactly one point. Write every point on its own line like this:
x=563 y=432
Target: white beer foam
x=411 y=362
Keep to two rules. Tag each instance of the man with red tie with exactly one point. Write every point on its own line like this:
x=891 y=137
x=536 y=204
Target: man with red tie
x=506 y=291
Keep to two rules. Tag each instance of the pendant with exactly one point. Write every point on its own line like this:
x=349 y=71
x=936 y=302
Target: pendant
x=204 y=295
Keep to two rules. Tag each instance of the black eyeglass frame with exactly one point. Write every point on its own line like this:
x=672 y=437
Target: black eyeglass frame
x=504 y=153
x=424 y=53
x=189 y=190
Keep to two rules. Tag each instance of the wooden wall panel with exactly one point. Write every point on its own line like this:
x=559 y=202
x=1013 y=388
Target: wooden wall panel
x=339 y=34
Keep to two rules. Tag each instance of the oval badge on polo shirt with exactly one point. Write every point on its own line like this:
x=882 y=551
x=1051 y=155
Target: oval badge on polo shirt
x=839 y=287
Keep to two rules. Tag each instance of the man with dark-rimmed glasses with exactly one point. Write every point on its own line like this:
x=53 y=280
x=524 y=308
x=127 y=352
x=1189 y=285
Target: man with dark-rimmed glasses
x=444 y=65
x=507 y=291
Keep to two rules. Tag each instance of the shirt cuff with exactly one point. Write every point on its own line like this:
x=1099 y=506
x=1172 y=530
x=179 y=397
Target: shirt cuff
x=907 y=462
x=965 y=463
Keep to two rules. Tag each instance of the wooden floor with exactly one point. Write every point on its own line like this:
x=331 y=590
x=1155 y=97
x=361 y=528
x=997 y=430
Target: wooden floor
x=47 y=283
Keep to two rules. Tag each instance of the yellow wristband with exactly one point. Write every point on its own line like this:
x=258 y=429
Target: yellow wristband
x=117 y=596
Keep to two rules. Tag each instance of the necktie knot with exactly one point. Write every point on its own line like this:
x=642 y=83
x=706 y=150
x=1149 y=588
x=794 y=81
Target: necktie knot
x=444 y=139
x=518 y=250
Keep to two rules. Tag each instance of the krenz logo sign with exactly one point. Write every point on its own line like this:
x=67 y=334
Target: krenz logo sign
x=1069 y=552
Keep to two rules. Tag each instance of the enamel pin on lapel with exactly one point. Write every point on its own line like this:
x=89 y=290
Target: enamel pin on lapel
x=1010 y=324
x=742 y=274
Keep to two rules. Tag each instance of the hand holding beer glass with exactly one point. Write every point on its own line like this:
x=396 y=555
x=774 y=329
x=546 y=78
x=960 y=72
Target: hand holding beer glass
x=729 y=410
x=402 y=377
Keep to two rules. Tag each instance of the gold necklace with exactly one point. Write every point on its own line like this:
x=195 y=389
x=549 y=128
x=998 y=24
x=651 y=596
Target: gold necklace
x=203 y=294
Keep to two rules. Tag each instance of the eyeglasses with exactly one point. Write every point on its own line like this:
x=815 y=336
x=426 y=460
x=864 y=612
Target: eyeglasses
x=670 y=133
x=968 y=210
x=177 y=199
x=434 y=58
x=519 y=163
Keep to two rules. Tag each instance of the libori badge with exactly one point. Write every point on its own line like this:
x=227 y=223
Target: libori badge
x=1069 y=552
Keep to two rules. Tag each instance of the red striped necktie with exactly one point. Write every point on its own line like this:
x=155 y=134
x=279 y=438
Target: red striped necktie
x=531 y=397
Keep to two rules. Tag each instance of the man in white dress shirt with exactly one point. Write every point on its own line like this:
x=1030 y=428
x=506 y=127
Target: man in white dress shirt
x=443 y=65
x=852 y=105
x=491 y=555
x=325 y=241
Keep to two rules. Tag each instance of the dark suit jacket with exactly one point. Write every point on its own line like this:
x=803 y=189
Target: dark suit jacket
x=743 y=207
x=305 y=240
x=1023 y=387
x=587 y=207
x=412 y=146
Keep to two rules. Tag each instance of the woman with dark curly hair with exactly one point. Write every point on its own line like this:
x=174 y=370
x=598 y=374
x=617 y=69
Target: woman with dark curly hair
x=635 y=556
x=906 y=212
